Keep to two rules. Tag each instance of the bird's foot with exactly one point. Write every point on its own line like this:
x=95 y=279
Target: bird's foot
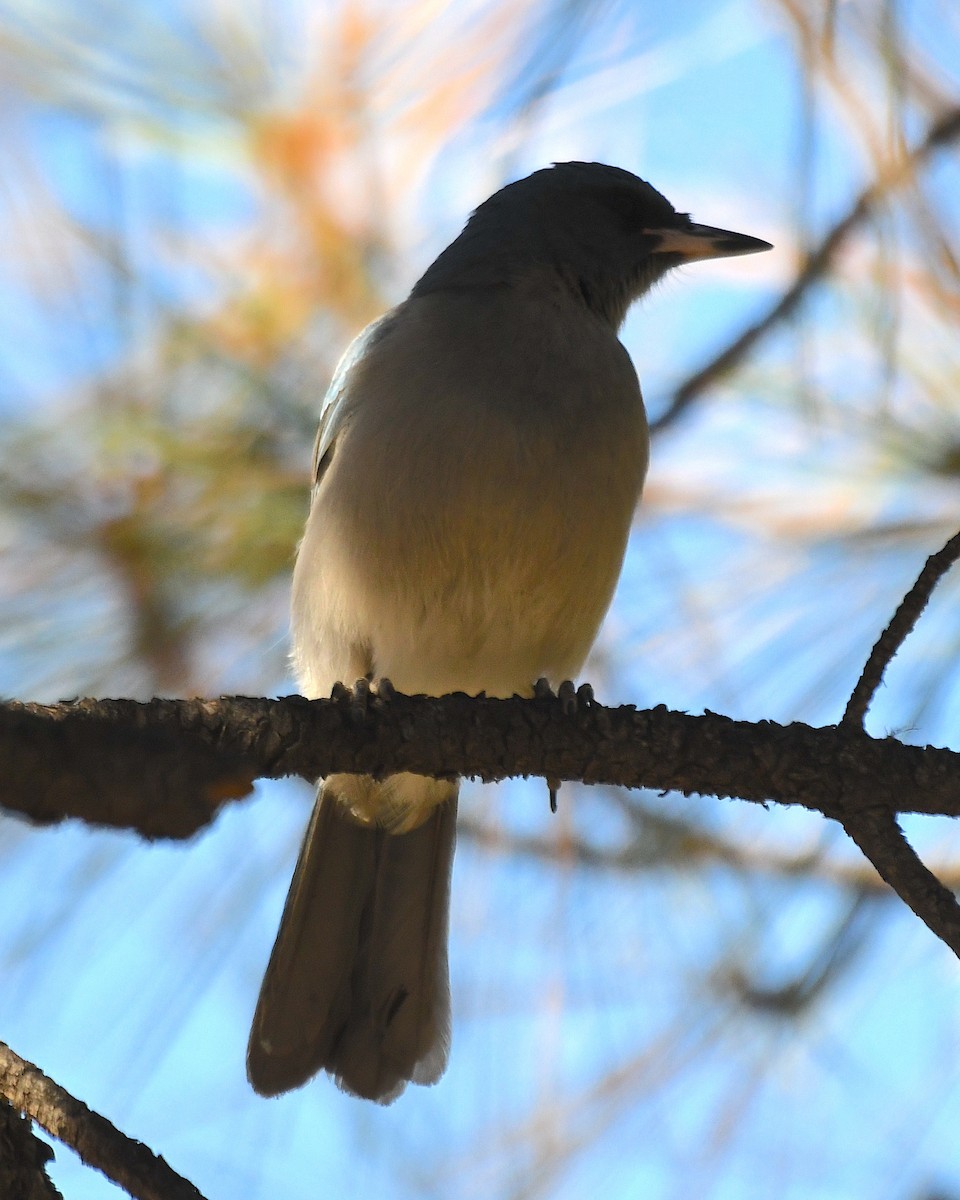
x=360 y=700
x=572 y=700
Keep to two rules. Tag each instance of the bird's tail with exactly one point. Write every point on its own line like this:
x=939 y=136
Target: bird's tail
x=357 y=982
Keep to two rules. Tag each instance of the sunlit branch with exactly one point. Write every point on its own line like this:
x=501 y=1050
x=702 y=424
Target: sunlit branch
x=131 y=1164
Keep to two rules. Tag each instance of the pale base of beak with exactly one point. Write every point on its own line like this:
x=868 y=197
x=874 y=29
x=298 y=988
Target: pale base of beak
x=704 y=241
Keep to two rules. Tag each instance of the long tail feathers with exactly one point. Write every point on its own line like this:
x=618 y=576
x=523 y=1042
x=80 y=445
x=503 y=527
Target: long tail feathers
x=357 y=983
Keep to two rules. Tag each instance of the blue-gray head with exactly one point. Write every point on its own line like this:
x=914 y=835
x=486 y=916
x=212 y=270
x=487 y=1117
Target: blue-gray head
x=605 y=233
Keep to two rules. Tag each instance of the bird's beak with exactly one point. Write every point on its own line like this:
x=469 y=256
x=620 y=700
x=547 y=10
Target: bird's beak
x=703 y=241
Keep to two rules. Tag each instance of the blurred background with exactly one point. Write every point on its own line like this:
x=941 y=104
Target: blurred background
x=200 y=203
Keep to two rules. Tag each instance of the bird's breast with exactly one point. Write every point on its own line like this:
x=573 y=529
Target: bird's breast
x=480 y=495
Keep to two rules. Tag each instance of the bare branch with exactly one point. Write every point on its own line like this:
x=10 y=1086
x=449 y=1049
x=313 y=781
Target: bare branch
x=943 y=131
x=164 y=767
x=127 y=1162
x=901 y=623
x=881 y=839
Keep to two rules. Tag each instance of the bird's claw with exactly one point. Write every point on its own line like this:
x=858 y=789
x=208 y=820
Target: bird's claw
x=572 y=700
x=360 y=700
x=567 y=695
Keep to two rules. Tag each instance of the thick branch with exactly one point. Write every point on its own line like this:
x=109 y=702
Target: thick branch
x=23 y=1159
x=164 y=767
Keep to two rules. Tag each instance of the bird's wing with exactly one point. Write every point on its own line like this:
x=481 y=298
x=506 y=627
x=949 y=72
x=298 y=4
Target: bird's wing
x=338 y=402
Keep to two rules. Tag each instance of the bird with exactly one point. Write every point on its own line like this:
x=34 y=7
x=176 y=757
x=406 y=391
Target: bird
x=481 y=451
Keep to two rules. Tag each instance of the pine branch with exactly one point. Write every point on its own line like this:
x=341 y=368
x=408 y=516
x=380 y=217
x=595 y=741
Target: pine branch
x=165 y=767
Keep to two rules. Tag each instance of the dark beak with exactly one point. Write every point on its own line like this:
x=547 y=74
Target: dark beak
x=703 y=241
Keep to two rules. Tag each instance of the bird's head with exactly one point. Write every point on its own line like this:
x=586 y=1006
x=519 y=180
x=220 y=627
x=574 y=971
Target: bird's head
x=608 y=234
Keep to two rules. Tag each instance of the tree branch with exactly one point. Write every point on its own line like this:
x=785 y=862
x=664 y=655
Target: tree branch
x=164 y=767
x=99 y=1144
x=945 y=129
x=896 y=633
x=23 y=1159
x=881 y=839
x=876 y=831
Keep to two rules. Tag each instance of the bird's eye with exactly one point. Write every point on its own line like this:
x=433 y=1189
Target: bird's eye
x=634 y=210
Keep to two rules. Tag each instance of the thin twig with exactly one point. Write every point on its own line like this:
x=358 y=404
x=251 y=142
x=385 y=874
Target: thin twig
x=130 y=1164
x=636 y=855
x=896 y=632
x=944 y=130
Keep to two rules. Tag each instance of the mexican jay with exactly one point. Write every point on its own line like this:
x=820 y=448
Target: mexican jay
x=480 y=454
